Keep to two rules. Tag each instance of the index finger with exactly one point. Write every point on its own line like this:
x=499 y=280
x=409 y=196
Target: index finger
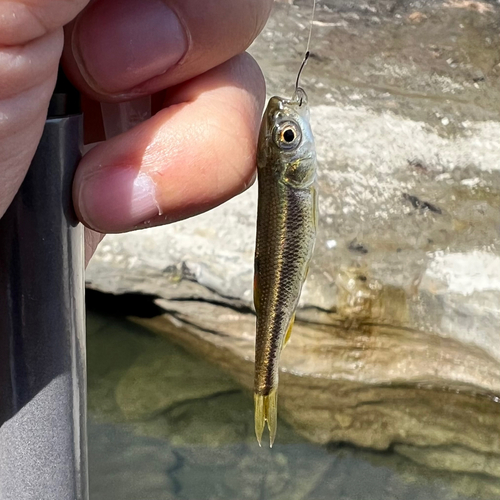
x=193 y=155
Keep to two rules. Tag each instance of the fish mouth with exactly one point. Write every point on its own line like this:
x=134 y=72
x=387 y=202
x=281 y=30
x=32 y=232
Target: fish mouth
x=281 y=109
x=300 y=97
x=298 y=102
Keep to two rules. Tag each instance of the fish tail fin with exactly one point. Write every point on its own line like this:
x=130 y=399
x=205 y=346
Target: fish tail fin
x=266 y=410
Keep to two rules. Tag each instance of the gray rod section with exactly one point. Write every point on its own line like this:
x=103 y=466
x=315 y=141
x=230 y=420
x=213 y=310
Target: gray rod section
x=43 y=451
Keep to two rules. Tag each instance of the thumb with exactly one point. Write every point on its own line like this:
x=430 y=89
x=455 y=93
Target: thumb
x=31 y=41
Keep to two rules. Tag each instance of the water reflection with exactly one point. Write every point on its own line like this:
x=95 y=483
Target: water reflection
x=166 y=425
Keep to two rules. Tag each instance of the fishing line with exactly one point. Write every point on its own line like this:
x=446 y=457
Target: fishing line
x=307 y=54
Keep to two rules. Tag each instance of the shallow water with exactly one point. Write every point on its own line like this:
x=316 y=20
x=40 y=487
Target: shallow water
x=166 y=425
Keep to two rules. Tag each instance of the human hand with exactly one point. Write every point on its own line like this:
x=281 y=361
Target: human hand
x=195 y=153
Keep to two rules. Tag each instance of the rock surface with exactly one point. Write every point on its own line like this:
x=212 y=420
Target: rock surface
x=397 y=342
x=166 y=425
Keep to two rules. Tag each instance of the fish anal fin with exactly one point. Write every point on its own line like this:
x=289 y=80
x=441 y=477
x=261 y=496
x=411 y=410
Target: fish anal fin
x=289 y=331
x=266 y=411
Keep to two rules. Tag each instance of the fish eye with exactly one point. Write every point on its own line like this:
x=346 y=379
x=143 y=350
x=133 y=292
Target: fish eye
x=287 y=135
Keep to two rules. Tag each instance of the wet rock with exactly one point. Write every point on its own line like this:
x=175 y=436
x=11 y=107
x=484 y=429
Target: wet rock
x=204 y=448
x=397 y=337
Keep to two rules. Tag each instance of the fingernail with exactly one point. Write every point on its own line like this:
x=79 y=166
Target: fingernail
x=117 y=199
x=120 y=44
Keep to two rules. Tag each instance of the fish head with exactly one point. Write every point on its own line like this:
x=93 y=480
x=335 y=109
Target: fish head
x=286 y=142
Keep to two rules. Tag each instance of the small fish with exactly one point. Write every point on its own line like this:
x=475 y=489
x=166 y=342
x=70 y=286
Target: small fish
x=286 y=230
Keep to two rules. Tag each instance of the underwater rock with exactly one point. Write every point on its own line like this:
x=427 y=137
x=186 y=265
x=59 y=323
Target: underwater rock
x=397 y=338
x=193 y=437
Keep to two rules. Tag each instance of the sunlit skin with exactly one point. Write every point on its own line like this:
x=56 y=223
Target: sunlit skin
x=196 y=152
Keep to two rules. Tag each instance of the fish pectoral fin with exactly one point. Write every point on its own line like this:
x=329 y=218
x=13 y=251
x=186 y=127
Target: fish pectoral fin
x=288 y=332
x=266 y=410
x=306 y=274
x=315 y=209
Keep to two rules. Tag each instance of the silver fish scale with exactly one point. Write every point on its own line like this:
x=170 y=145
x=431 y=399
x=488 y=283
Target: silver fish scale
x=284 y=246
